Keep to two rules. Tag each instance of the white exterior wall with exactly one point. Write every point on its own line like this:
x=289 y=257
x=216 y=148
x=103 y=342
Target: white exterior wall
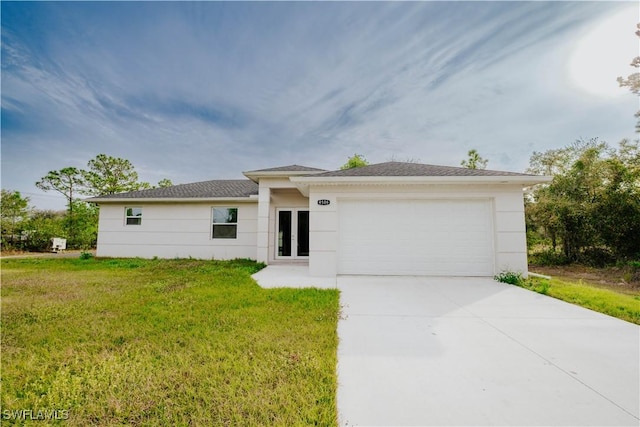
x=262 y=224
x=510 y=249
x=171 y=230
x=323 y=232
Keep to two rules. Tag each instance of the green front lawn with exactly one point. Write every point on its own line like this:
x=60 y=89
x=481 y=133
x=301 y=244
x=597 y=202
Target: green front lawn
x=624 y=305
x=169 y=342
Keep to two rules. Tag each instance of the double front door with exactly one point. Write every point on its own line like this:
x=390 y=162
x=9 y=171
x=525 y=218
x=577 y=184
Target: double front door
x=292 y=233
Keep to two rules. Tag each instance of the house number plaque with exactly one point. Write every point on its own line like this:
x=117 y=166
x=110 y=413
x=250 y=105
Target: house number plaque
x=324 y=202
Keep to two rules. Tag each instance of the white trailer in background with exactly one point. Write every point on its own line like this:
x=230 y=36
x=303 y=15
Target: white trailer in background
x=58 y=244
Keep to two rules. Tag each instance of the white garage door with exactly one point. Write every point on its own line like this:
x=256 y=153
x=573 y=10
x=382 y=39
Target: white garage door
x=418 y=237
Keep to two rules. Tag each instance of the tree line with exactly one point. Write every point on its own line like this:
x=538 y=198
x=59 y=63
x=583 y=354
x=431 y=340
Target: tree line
x=590 y=212
x=27 y=228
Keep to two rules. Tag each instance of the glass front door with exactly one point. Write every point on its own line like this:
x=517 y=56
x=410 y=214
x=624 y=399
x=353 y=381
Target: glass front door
x=292 y=236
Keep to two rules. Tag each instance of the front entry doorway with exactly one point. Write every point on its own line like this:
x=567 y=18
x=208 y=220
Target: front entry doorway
x=292 y=234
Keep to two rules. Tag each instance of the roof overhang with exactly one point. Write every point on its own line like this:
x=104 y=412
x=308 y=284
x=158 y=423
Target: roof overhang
x=303 y=183
x=256 y=175
x=129 y=200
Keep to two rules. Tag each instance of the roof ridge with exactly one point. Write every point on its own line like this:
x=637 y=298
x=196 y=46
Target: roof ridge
x=399 y=168
x=288 y=168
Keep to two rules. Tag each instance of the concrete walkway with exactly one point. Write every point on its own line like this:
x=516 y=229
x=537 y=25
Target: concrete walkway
x=458 y=351
x=291 y=276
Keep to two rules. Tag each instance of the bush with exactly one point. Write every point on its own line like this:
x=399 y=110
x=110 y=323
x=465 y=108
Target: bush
x=86 y=255
x=597 y=257
x=541 y=288
x=630 y=271
x=548 y=257
x=534 y=239
x=510 y=277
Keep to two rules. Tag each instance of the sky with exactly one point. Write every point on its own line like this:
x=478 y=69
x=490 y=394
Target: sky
x=193 y=91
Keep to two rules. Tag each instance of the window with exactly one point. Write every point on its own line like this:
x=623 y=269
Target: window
x=133 y=216
x=225 y=223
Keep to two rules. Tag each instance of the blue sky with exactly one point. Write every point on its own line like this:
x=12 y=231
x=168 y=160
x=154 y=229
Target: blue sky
x=206 y=90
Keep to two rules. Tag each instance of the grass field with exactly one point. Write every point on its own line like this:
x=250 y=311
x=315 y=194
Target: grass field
x=164 y=342
x=622 y=304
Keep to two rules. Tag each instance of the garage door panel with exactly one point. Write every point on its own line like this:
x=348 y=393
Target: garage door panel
x=442 y=269
x=425 y=237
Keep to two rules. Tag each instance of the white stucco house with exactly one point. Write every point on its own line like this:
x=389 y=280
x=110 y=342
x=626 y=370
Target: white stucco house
x=391 y=218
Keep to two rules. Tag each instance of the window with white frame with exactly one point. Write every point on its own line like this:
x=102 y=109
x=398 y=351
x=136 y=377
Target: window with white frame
x=225 y=223
x=133 y=216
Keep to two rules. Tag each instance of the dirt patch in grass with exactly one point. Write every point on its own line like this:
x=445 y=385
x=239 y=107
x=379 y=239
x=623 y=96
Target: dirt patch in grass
x=618 y=279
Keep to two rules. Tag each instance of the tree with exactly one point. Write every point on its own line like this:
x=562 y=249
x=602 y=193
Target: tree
x=474 y=160
x=105 y=175
x=356 y=161
x=617 y=207
x=633 y=80
x=559 y=161
x=67 y=181
x=41 y=226
x=395 y=158
x=14 y=210
x=86 y=225
x=164 y=183
x=110 y=175
x=593 y=203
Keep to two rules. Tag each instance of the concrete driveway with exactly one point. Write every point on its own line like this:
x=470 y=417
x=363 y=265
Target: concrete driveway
x=459 y=351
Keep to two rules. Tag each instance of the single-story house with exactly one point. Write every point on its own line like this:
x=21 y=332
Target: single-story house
x=392 y=218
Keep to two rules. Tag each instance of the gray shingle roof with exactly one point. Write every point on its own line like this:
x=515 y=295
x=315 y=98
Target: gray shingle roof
x=414 y=169
x=232 y=188
x=290 y=168
x=204 y=189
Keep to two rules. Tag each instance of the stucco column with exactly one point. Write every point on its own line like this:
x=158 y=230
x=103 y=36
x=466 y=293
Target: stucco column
x=323 y=235
x=264 y=200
